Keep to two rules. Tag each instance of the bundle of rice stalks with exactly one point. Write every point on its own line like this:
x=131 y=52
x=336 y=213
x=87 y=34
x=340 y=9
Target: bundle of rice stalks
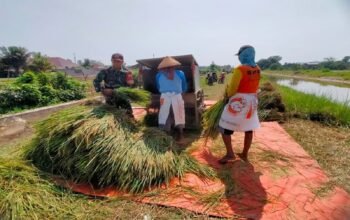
x=269 y=98
x=26 y=194
x=23 y=194
x=271 y=107
x=211 y=118
x=139 y=96
x=104 y=147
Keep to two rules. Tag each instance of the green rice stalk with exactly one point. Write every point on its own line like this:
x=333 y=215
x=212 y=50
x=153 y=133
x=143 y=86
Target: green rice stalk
x=105 y=147
x=26 y=194
x=139 y=96
x=269 y=99
x=211 y=118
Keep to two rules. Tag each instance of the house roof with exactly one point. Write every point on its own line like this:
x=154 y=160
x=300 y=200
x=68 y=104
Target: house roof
x=60 y=63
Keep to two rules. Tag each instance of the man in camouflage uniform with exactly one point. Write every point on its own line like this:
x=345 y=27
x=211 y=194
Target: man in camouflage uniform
x=112 y=78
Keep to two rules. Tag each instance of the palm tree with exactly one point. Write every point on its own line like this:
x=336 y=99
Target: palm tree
x=14 y=57
x=39 y=63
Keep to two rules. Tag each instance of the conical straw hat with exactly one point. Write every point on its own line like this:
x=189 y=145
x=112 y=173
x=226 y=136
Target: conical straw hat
x=168 y=62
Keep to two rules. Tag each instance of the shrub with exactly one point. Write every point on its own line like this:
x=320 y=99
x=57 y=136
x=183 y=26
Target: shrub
x=30 y=95
x=66 y=95
x=35 y=89
x=48 y=95
x=43 y=79
x=28 y=77
x=9 y=98
x=59 y=81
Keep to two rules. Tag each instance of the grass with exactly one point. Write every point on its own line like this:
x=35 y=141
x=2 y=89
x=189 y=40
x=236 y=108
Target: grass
x=330 y=74
x=5 y=82
x=329 y=146
x=314 y=107
x=216 y=91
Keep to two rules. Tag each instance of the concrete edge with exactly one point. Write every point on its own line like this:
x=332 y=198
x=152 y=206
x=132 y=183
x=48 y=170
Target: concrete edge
x=45 y=109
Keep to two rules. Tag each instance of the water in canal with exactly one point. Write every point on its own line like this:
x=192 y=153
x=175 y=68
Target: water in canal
x=337 y=93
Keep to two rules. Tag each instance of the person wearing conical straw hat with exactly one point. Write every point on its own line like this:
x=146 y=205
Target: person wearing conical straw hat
x=171 y=83
x=240 y=113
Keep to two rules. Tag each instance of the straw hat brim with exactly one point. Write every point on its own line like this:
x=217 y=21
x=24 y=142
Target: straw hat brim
x=168 y=62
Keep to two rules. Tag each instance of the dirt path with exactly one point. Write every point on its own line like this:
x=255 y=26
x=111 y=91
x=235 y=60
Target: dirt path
x=17 y=138
x=327 y=80
x=30 y=117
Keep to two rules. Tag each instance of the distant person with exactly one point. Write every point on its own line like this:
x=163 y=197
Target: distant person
x=222 y=78
x=171 y=83
x=240 y=113
x=209 y=79
x=215 y=77
x=114 y=77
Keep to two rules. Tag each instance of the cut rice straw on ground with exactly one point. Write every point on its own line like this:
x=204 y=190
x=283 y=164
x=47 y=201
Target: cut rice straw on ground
x=104 y=147
x=26 y=193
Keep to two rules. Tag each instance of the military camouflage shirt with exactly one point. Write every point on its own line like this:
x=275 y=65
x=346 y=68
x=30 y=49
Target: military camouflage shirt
x=111 y=77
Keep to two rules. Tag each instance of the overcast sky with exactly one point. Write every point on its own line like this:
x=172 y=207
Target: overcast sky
x=211 y=30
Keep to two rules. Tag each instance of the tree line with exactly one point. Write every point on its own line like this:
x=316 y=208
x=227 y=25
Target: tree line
x=274 y=63
x=16 y=60
x=330 y=63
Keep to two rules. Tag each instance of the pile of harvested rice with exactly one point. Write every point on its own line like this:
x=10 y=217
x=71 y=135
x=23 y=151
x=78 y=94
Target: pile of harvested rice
x=104 y=147
x=271 y=107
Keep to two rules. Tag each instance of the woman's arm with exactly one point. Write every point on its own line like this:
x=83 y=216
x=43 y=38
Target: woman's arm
x=232 y=86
